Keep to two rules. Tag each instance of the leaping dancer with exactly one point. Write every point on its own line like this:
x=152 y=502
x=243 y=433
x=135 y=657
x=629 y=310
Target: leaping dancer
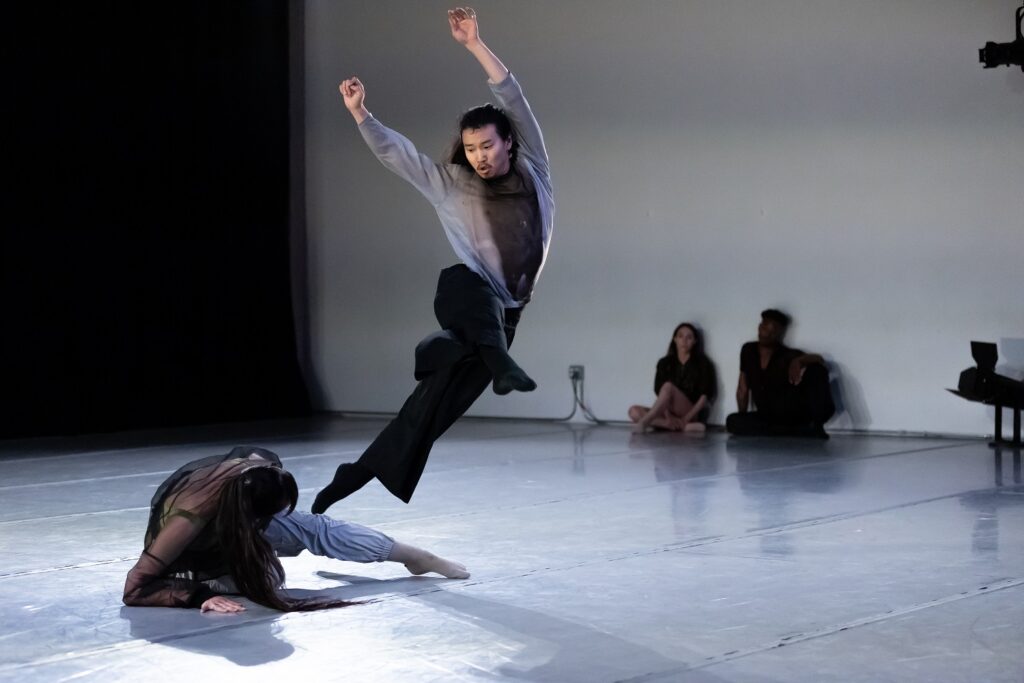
x=495 y=202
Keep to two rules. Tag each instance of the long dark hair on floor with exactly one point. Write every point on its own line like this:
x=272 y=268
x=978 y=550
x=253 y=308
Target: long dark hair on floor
x=247 y=503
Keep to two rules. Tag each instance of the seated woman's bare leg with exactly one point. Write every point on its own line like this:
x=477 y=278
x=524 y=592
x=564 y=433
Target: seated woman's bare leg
x=668 y=422
x=667 y=411
x=636 y=413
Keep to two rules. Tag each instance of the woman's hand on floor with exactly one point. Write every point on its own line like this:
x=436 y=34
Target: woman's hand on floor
x=219 y=603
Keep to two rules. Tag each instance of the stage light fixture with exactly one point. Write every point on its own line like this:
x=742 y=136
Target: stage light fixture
x=983 y=385
x=1005 y=54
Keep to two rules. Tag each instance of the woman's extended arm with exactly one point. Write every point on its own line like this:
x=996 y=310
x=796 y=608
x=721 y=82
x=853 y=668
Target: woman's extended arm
x=148 y=583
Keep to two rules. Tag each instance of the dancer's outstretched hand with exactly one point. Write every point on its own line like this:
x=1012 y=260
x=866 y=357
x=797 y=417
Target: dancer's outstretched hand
x=219 y=603
x=462 y=21
x=353 y=92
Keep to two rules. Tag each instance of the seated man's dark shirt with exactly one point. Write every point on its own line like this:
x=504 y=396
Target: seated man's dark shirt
x=770 y=385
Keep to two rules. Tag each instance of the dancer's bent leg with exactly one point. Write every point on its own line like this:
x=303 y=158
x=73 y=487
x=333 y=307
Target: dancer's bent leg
x=290 y=534
x=817 y=394
x=508 y=376
x=466 y=306
x=398 y=454
x=747 y=424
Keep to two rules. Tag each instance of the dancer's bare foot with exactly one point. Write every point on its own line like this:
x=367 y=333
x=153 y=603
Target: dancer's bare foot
x=641 y=427
x=438 y=565
x=419 y=561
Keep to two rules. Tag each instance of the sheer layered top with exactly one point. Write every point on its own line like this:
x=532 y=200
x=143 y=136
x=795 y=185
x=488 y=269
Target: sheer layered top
x=500 y=230
x=180 y=547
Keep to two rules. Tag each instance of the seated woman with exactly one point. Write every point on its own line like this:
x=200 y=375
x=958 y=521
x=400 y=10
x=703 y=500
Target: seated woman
x=218 y=524
x=685 y=383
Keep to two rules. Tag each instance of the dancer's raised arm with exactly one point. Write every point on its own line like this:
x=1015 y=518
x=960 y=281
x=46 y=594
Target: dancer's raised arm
x=354 y=92
x=393 y=149
x=466 y=32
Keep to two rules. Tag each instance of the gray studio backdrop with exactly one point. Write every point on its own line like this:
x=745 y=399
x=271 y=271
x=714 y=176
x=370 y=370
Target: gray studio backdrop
x=847 y=160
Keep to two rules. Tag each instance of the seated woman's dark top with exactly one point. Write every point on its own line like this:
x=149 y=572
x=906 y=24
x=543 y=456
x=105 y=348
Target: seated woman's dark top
x=695 y=378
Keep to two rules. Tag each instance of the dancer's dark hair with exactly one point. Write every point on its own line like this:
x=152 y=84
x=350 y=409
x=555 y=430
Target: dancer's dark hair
x=777 y=316
x=247 y=503
x=698 y=359
x=696 y=352
x=476 y=118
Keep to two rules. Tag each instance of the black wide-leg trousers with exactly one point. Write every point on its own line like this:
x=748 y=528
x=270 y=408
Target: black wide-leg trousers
x=451 y=375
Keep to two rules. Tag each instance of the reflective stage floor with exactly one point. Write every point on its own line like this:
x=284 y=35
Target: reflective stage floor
x=596 y=555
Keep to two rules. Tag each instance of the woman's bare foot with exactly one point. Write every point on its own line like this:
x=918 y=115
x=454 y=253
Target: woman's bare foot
x=438 y=565
x=419 y=561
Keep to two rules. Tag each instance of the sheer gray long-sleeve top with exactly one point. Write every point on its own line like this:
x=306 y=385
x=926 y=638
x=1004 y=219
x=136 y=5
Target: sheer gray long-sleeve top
x=500 y=230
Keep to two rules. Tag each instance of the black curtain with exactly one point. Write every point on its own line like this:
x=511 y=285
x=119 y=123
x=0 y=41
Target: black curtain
x=146 y=275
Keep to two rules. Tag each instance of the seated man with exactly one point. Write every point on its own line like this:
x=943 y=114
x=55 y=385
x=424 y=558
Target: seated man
x=790 y=388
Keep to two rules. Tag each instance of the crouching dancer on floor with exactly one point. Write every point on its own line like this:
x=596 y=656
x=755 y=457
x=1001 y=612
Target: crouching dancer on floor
x=495 y=202
x=218 y=524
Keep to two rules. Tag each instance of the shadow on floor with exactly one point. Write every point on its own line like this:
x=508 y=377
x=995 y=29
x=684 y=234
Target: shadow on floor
x=550 y=648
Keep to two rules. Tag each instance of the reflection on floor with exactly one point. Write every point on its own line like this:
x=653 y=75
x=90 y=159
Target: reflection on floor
x=596 y=556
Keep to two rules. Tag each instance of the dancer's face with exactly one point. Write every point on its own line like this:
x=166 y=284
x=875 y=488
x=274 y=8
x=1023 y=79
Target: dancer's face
x=684 y=339
x=486 y=152
x=770 y=333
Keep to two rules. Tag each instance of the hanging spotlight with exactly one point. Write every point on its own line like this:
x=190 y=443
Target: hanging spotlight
x=1005 y=54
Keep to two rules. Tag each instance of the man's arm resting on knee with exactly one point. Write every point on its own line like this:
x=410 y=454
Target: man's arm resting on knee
x=797 y=365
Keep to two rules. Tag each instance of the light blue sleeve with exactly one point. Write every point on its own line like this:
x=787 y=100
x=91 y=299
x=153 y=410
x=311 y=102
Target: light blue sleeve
x=531 y=141
x=399 y=155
